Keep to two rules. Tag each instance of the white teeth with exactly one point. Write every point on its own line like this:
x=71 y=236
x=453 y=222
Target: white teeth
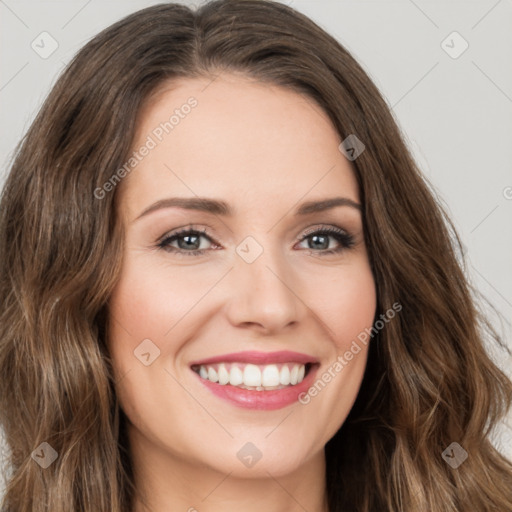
x=251 y=376
x=294 y=375
x=212 y=374
x=236 y=377
x=270 y=376
x=284 y=377
x=223 y=375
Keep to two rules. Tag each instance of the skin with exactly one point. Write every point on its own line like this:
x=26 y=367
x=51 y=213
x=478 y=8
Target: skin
x=263 y=150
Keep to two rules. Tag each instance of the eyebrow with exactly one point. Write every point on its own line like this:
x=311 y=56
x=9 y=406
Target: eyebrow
x=218 y=207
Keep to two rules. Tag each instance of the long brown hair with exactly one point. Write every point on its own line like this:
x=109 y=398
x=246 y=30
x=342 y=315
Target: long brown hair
x=429 y=381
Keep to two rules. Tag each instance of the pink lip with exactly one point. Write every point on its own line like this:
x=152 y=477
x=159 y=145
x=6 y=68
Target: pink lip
x=254 y=357
x=261 y=400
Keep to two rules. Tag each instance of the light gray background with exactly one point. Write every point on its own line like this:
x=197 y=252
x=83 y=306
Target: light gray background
x=456 y=113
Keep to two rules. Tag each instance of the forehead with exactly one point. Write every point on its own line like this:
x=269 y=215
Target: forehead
x=236 y=139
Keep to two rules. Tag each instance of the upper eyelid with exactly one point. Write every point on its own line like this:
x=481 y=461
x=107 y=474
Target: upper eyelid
x=348 y=222
x=208 y=231
x=185 y=230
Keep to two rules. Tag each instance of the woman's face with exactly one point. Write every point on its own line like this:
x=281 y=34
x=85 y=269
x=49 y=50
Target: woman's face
x=269 y=296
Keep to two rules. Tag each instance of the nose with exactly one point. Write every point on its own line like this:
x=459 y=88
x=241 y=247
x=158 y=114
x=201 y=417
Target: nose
x=263 y=295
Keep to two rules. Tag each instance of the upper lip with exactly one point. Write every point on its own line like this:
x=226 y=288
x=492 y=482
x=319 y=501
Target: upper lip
x=255 y=357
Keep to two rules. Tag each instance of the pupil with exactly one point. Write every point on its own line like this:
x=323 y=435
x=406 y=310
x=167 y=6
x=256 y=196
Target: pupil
x=316 y=237
x=188 y=237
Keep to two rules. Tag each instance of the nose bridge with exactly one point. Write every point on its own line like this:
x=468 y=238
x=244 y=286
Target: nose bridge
x=262 y=291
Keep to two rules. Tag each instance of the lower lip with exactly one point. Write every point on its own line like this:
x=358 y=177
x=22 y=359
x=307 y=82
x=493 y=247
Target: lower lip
x=262 y=400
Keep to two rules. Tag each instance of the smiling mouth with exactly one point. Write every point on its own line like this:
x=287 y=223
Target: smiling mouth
x=256 y=377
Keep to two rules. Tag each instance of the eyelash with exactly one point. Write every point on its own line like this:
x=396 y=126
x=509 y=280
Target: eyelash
x=345 y=240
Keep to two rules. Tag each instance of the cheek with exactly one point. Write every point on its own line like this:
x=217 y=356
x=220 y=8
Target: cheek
x=346 y=304
x=148 y=302
x=143 y=306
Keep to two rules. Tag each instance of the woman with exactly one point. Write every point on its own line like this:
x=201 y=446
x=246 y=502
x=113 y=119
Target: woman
x=172 y=335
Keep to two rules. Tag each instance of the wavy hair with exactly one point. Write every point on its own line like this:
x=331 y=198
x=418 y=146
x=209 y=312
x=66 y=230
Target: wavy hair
x=429 y=380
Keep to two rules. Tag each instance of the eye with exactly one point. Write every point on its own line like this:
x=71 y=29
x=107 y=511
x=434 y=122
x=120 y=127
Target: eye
x=320 y=239
x=187 y=238
x=188 y=241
